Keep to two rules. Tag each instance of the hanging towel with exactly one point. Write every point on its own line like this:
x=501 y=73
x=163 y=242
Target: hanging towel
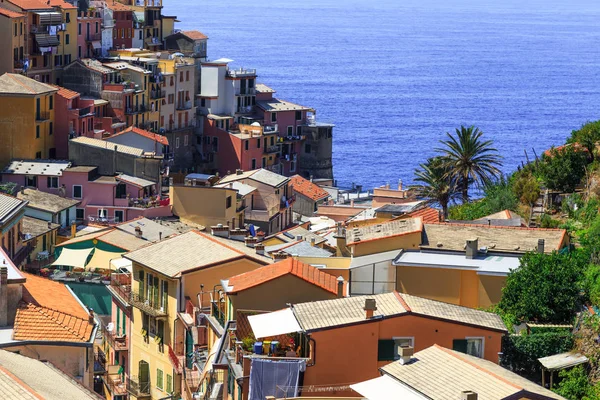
x=275 y=378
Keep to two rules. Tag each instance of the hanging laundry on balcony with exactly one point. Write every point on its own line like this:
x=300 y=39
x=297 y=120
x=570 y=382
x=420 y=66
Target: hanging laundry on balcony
x=275 y=378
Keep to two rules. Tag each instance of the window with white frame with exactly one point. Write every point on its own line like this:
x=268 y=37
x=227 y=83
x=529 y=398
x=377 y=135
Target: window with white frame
x=402 y=342
x=475 y=346
x=177 y=143
x=102 y=213
x=31 y=181
x=77 y=192
x=79 y=213
x=52 y=182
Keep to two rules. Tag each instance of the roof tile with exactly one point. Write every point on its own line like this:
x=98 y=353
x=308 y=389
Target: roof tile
x=142 y=132
x=308 y=189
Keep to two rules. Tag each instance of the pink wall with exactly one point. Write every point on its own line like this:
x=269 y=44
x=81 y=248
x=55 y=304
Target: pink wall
x=61 y=127
x=86 y=48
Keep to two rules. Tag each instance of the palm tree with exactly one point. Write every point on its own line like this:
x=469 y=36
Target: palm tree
x=470 y=159
x=436 y=185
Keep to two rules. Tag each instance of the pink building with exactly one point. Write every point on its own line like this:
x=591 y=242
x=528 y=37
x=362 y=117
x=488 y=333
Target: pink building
x=89 y=34
x=73 y=116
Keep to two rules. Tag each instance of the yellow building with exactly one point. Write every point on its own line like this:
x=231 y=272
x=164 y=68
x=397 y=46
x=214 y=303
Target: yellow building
x=12 y=38
x=26 y=118
x=378 y=238
x=40 y=237
x=168 y=277
x=12 y=211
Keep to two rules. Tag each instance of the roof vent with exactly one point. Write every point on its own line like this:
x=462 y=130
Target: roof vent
x=370 y=308
x=468 y=395
x=471 y=248
x=540 y=246
x=405 y=354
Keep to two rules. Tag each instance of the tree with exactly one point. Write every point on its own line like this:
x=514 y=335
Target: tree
x=574 y=384
x=562 y=169
x=470 y=159
x=436 y=185
x=526 y=188
x=545 y=287
x=587 y=136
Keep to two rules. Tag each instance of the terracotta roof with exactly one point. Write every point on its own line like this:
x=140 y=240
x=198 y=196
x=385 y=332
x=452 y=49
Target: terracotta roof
x=384 y=230
x=460 y=372
x=116 y=6
x=291 y=266
x=10 y=14
x=66 y=93
x=142 y=132
x=194 y=35
x=429 y=215
x=50 y=312
x=31 y=4
x=308 y=189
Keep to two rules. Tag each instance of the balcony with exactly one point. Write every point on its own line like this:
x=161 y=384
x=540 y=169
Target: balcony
x=43 y=28
x=150 y=306
x=136 y=109
x=85 y=112
x=103 y=220
x=120 y=284
x=41 y=116
x=184 y=105
x=217 y=312
x=241 y=73
x=157 y=94
x=114 y=340
x=93 y=37
x=287 y=202
x=153 y=41
x=137 y=388
x=272 y=149
x=115 y=382
x=99 y=362
x=245 y=91
x=270 y=129
x=148 y=203
x=245 y=109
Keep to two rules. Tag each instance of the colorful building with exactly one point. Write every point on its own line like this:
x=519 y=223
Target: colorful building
x=89 y=33
x=26 y=118
x=12 y=37
x=309 y=196
x=11 y=227
x=74 y=116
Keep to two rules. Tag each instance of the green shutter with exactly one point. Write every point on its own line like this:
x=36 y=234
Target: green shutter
x=460 y=345
x=118 y=321
x=159 y=378
x=141 y=286
x=155 y=292
x=169 y=384
x=386 y=349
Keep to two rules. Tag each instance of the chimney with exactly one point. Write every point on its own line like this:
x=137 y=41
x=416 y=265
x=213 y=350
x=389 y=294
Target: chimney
x=468 y=395
x=115 y=160
x=340 y=286
x=3 y=294
x=313 y=241
x=220 y=230
x=280 y=256
x=239 y=171
x=73 y=229
x=49 y=225
x=405 y=354
x=250 y=241
x=138 y=232
x=471 y=249
x=260 y=248
x=91 y=318
x=159 y=236
x=351 y=202
x=311 y=178
x=540 y=247
x=370 y=308
x=298 y=237
x=399 y=184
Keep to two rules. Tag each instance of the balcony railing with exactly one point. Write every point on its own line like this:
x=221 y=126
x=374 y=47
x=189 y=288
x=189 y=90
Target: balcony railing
x=137 y=388
x=157 y=94
x=244 y=109
x=84 y=112
x=115 y=382
x=175 y=361
x=136 y=109
x=42 y=116
x=217 y=313
x=103 y=220
x=272 y=149
x=93 y=37
x=150 y=306
x=117 y=342
x=238 y=73
x=184 y=105
x=287 y=202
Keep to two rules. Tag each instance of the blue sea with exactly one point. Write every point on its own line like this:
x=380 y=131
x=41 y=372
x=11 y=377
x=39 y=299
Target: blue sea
x=394 y=76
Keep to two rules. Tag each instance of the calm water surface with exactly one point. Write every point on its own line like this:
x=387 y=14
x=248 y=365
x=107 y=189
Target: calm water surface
x=394 y=76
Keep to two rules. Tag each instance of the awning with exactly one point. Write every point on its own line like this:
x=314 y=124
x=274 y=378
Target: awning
x=49 y=17
x=274 y=323
x=101 y=259
x=73 y=257
x=385 y=388
x=121 y=263
x=96 y=44
x=562 y=361
x=46 y=40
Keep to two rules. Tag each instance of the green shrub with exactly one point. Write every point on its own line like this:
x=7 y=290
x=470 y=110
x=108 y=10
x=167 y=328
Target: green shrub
x=574 y=384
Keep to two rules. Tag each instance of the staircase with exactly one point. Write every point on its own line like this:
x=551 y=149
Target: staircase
x=537 y=209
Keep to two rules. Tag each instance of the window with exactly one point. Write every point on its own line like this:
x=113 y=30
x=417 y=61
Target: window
x=290 y=130
x=185 y=140
x=187 y=76
x=176 y=143
x=258 y=143
x=141 y=38
x=37 y=131
x=77 y=192
x=16 y=29
x=52 y=182
x=470 y=345
x=121 y=191
x=181 y=76
x=79 y=51
x=246 y=144
x=159 y=379
x=102 y=212
x=298 y=115
x=21 y=28
x=402 y=342
x=264 y=162
x=31 y=181
x=386 y=349
x=79 y=213
x=67 y=39
x=253 y=163
x=97 y=29
x=307 y=148
x=51 y=103
x=273 y=117
x=79 y=28
x=293 y=166
x=202 y=102
x=68 y=18
x=228 y=202
x=169 y=384
x=119 y=215
x=50 y=129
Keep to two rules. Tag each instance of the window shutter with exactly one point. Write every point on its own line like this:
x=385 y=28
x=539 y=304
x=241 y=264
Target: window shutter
x=48 y=182
x=386 y=349
x=460 y=345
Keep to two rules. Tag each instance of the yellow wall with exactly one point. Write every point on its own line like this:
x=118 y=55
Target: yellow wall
x=70 y=48
x=462 y=287
x=204 y=205
x=8 y=41
x=18 y=127
x=408 y=241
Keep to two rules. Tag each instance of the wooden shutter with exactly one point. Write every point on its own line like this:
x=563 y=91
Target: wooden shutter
x=460 y=345
x=386 y=349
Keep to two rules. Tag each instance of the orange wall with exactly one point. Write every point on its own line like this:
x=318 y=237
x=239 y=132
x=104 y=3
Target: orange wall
x=349 y=354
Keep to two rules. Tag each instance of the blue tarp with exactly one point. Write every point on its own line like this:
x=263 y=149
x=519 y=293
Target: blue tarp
x=275 y=378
